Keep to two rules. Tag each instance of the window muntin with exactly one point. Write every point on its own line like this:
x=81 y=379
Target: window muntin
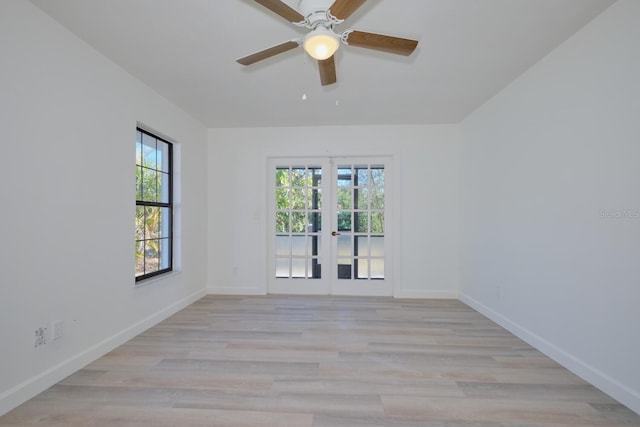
x=154 y=205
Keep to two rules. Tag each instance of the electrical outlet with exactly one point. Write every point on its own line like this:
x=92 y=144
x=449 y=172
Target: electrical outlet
x=56 y=328
x=40 y=337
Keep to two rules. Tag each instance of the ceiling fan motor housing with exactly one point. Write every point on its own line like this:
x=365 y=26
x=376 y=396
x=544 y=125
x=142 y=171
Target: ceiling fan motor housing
x=315 y=13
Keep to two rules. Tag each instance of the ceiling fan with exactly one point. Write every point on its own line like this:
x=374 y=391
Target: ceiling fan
x=320 y=17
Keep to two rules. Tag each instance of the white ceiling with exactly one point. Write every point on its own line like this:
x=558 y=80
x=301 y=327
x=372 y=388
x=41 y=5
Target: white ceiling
x=186 y=51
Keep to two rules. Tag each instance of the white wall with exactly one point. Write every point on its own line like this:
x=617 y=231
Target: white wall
x=543 y=165
x=426 y=164
x=68 y=119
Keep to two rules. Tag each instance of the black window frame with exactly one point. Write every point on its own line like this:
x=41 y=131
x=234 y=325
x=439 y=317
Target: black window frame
x=168 y=205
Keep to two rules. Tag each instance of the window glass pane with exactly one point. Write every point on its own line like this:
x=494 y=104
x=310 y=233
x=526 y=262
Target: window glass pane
x=163 y=187
x=139 y=222
x=152 y=256
x=165 y=253
x=139 y=182
x=282 y=222
x=139 y=258
x=165 y=222
x=149 y=151
x=283 y=245
x=282 y=267
x=152 y=221
x=138 y=148
x=149 y=185
x=163 y=156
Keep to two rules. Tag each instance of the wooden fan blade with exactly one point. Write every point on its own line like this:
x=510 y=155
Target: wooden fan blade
x=282 y=9
x=342 y=9
x=268 y=53
x=381 y=42
x=328 y=71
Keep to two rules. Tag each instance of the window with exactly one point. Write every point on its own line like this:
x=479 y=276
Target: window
x=154 y=205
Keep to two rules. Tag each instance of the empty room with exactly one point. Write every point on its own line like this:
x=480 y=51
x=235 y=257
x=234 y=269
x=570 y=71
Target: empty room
x=317 y=213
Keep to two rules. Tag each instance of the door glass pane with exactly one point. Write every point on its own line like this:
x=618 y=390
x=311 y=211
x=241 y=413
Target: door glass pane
x=363 y=268
x=376 y=198
x=377 y=175
x=362 y=198
x=282 y=267
x=377 y=222
x=344 y=176
x=362 y=246
x=363 y=176
x=282 y=198
x=298 y=198
x=344 y=221
x=299 y=177
x=315 y=221
x=298 y=246
x=282 y=177
x=362 y=222
x=344 y=246
x=344 y=268
x=298 y=268
x=377 y=269
x=298 y=222
x=283 y=244
x=377 y=246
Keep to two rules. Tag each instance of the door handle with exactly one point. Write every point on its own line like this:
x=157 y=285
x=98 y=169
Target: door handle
x=335 y=233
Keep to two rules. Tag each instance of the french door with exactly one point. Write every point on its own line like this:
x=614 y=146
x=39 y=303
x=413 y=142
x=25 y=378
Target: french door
x=329 y=226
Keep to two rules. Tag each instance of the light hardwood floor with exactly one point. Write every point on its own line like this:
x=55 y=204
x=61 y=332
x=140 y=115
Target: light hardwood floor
x=323 y=361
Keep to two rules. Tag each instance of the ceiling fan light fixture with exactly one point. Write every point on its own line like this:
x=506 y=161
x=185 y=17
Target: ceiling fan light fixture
x=321 y=43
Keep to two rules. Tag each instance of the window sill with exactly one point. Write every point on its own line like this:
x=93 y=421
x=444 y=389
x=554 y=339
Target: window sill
x=159 y=278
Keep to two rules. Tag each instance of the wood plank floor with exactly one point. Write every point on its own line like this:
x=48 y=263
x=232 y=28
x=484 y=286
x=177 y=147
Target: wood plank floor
x=323 y=361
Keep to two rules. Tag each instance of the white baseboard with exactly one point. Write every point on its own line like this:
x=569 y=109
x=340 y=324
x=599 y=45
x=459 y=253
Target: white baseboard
x=422 y=294
x=234 y=290
x=19 y=394
x=611 y=386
